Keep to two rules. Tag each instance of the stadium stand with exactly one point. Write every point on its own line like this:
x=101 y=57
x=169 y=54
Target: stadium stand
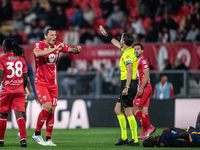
x=132 y=10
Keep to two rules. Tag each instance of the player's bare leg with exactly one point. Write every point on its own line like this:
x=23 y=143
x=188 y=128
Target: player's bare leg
x=49 y=127
x=122 y=123
x=22 y=127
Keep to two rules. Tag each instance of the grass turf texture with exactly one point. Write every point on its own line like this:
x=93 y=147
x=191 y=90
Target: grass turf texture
x=78 y=139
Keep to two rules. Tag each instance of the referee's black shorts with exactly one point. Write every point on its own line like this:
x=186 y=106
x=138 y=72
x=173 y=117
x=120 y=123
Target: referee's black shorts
x=127 y=100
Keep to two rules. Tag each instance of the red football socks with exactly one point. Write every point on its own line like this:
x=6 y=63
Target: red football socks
x=144 y=120
x=49 y=125
x=138 y=114
x=22 y=127
x=3 y=123
x=42 y=117
x=147 y=116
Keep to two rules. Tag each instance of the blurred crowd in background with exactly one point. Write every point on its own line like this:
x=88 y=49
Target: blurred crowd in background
x=77 y=21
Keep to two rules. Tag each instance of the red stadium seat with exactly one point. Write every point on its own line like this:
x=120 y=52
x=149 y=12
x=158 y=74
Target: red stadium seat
x=97 y=12
x=129 y=6
x=102 y=22
x=99 y=22
x=76 y=2
x=133 y=2
x=86 y=1
x=94 y=3
x=158 y=19
x=134 y=12
x=17 y=5
x=185 y=9
x=69 y=12
x=178 y=18
x=26 y=5
x=114 y=31
x=147 y=22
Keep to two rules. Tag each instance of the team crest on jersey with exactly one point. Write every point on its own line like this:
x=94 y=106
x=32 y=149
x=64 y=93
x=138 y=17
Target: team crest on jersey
x=135 y=54
x=144 y=61
x=52 y=57
x=37 y=45
x=45 y=97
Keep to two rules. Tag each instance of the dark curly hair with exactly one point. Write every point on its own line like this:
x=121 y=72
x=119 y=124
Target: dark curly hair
x=10 y=45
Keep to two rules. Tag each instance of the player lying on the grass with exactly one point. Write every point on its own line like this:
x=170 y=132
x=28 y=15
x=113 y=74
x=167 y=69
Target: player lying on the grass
x=175 y=137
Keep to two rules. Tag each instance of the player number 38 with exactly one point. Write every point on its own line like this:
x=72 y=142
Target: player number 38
x=15 y=68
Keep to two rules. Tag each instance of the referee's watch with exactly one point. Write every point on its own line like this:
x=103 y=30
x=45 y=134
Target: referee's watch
x=126 y=86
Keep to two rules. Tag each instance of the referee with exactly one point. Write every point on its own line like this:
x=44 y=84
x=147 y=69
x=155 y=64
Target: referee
x=128 y=66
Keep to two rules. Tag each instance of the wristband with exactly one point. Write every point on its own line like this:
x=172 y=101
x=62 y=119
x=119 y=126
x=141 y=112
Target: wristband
x=126 y=86
x=108 y=36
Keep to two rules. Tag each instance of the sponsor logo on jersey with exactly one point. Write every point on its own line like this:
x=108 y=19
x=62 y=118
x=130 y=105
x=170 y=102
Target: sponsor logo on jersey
x=129 y=61
x=45 y=97
x=37 y=45
x=7 y=82
x=52 y=57
x=144 y=61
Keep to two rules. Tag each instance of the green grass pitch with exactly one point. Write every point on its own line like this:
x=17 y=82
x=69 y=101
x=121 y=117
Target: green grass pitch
x=78 y=139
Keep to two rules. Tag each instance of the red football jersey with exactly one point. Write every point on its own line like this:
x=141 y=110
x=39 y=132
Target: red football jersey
x=143 y=65
x=13 y=67
x=46 y=66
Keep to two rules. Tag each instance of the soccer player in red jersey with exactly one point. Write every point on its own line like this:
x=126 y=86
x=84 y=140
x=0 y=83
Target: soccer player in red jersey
x=142 y=98
x=13 y=76
x=46 y=56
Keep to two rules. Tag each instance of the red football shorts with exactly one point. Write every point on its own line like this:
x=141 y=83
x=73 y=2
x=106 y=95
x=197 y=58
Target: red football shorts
x=143 y=101
x=47 y=93
x=15 y=101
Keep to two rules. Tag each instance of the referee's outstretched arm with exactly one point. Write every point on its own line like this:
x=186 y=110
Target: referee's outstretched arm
x=113 y=40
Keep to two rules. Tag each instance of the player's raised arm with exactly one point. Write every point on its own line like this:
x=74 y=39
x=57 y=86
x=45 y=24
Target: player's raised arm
x=39 y=52
x=113 y=40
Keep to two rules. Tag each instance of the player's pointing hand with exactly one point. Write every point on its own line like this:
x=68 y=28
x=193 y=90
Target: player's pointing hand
x=102 y=30
x=77 y=49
